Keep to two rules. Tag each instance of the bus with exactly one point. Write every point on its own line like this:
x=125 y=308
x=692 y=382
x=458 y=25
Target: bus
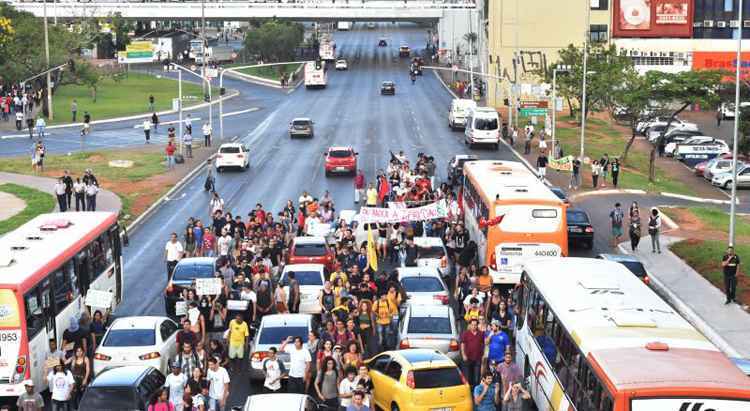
x=47 y=267
x=512 y=216
x=591 y=336
x=316 y=75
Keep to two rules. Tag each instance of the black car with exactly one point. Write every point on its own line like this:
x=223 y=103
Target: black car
x=382 y=43
x=560 y=194
x=580 y=230
x=186 y=271
x=388 y=88
x=122 y=388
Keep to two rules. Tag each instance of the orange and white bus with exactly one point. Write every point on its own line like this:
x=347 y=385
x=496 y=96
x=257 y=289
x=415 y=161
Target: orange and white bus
x=47 y=266
x=512 y=216
x=592 y=336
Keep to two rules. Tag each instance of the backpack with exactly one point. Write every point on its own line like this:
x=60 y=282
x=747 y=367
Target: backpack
x=617 y=216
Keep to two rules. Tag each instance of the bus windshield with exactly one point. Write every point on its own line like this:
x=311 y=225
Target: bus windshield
x=659 y=404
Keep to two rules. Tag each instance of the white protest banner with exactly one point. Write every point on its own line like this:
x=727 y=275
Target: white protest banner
x=99 y=299
x=431 y=211
x=180 y=308
x=237 y=305
x=208 y=286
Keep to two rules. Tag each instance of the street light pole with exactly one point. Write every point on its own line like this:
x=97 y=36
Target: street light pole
x=554 y=110
x=179 y=104
x=585 y=72
x=735 y=136
x=46 y=55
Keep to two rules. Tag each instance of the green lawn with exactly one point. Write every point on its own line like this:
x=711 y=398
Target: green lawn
x=270 y=72
x=37 y=202
x=705 y=257
x=124 y=98
x=715 y=219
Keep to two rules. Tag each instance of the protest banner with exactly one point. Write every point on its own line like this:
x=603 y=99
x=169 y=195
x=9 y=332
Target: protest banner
x=237 y=305
x=98 y=299
x=561 y=164
x=180 y=308
x=208 y=286
x=432 y=211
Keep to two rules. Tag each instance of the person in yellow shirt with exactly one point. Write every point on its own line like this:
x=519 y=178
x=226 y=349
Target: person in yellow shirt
x=372 y=196
x=384 y=311
x=339 y=273
x=237 y=336
x=473 y=312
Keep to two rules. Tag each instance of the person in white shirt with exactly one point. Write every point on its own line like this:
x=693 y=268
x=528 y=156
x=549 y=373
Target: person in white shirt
x=147 y=130
x=19 y=120
x=62 y=201
x=224 y=242
x=40 y=125
x=218 y=388
x=61 y=383
x=175 y=382
x=172 y=253
x=91 y=191
x=347 y=386
x=206 y=135
x=299 y=364
x=79 y=190
x=187 y=140
x=310 y=223
x=215 y=204
x=274 y=371
x=304 y=199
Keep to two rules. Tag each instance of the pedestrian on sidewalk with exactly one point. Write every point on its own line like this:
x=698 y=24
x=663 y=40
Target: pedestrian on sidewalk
x=19 y=121
x=189 y=124
x=30 y=126
x=730 y=264
x=541 y=165
x=616 y=216
x=575 y=176
x=74 y=110
x=187 y=141
x=3 y=104
x=91 y=191
x=68 y=181
x=654 y=226
x=604 y=165
x=529 y=138
x=155 y=122
x=87 y=122
x=60 y=193
x=147 y=130
x=718 y=116
x=80 y=192
x=206 y=134
x=595 y=170
x=40 y=125
x=169 y=150
x=615 y=168
x=635 y=229
x=542 y=143
x=151 y=103
x=514 y=136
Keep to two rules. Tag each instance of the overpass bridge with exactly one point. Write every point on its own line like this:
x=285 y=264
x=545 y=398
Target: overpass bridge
x=353 y=10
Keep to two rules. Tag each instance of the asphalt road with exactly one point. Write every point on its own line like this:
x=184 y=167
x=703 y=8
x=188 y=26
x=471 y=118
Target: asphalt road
x=350 y=111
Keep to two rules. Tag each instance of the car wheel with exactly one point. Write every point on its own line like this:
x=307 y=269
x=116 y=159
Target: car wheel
x=394 y=407
x=728 y=185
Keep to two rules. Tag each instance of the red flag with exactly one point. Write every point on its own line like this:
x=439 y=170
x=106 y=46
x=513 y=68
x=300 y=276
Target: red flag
x=384 y=189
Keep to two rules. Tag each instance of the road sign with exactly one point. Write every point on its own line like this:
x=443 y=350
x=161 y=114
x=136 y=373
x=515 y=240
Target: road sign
x=212 y=73
x=533 y=104
x=533 y=111
x=137 y=52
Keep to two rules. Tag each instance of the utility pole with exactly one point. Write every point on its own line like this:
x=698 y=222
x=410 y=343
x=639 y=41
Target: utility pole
x=204 y=60
x=735 y=136
x=472 y=45
x=516 y=56
x=587 y=34
x=46 y=55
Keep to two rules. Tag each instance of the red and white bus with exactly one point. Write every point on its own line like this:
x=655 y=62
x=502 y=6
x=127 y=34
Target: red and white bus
x=46 y=268
x=512 y=216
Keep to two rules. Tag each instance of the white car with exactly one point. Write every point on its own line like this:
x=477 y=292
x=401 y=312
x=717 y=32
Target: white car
x=273 y=330
x=697 y=144
x=234 y=155
x=724 y=180
x=432 y=253
x=311 y=278
x=430 y=326
x=341 y=64
x=423 y=285
x=727 y=109
x=281 y=401
x=655 y=130
x=719 y=166
x=137 y=341
x=459 y=111
x=482 y=127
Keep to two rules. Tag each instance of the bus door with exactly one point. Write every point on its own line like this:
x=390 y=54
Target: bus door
x=83 y=269
x=48 y=309
x=116 y=250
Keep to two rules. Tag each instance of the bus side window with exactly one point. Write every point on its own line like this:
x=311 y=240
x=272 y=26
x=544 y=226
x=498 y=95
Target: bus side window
x=521 y=293
x=34 y=313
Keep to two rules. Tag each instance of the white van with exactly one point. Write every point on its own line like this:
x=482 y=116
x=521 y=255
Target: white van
x=458 y=112
x=483 y=127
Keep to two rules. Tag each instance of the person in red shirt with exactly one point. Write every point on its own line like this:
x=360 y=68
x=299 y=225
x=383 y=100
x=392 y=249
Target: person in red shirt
x=169 y=150
x=260 y=215
x=359 y=186
x=209 y=243
x=472 y=349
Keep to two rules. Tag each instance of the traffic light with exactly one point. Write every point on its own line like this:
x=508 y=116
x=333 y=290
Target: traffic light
x=206 y=98
x=222 y=91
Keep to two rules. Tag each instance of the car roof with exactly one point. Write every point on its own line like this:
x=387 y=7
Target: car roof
x=421 y=310
x=142 y=322
x=301 y=119
x=286 y=320
x=119 y=376
x=230 y=145
x=280 y=401
x=309 y=240
x=340 y=148
x=197 y=260
x=466 y=157
x=423 y=358
x=304 y=267
x=387 y=81
x=428 y=241
x=620 y=258
x=417 y=272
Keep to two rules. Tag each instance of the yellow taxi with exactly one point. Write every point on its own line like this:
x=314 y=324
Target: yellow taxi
x=418 y=380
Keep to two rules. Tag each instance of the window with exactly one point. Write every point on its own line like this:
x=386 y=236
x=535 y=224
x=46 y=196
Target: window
x=100 y=252
x=274 y=335
x=430 y=325
x=129 y=337
x=34 y=313
x=599 y=4
x=393 y=370
x=728 y=5
x=437 y=378
x=166 y=329
x=380 y=363
x=598 y=33
x=422 y=284
x=65 y=285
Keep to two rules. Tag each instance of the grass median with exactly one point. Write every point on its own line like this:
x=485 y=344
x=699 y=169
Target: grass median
x=270 y=72
x=704 y=256
x=126 y=97
x=37 y=202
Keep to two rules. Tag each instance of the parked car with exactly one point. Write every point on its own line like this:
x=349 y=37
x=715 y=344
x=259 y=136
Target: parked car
x=340 y=160
x=423 y=285
x=282 y=401
x=310 y=250
x=311 y=278
x=631 y=262
x=234 y=155
x=404 y=51
x=719 y=165
x=654 y=130
x=678 y=148
x=459 y=112
x=580 y=229
x=388 y=88
x=272 y=331
x=137 y=341
x=456 y=167
x=676 y=134
x=301 y=127
x=418 y=379
x=725 y=180
x=727 y=109
x=430 y=326
x=122 y=388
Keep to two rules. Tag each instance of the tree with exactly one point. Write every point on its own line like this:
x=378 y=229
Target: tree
x=275 y=40
x=606 y=69
x=743 y=131
x=120 y=29
x=86 y=74
x=677 y=91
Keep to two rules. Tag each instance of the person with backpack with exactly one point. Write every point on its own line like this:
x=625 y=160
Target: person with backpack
x=274 y=371
x=654 y=226
x=615 y=168
x=384 y=312
x=616 y=217
x=327 y=382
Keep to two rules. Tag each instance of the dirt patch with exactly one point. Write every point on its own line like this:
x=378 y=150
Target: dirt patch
x=96 y=159
x=685 y=219
x=143 y=193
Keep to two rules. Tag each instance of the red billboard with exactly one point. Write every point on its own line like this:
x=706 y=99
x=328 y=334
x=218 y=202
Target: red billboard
x=652 y=18
x=722 y=60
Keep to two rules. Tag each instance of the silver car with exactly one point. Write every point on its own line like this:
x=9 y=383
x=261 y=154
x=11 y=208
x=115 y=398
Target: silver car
x=724 y=180
x=719 y=166
x=432 y=327
x=301 y=127
x=423 y=285
x=273 y=330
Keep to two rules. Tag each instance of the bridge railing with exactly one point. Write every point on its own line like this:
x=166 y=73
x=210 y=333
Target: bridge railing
x=240 y=4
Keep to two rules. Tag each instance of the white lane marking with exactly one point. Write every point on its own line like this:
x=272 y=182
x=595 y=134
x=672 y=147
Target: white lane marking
x=168 y=122
x=22 y=135
x=234 y=113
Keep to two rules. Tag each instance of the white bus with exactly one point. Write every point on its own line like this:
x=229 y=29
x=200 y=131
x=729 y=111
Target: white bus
x=316 y=75
x=590 y=335
x=47 y=266
x=326 y=50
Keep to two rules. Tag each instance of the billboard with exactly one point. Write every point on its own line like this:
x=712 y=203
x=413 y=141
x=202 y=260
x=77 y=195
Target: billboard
x=137 y=52
x=652 y=18
x=722 y=60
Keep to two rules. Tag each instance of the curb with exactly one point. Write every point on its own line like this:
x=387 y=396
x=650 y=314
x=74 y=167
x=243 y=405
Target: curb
x=688 y=313
x=608 y=192
x=698 y=199
x=233 y=94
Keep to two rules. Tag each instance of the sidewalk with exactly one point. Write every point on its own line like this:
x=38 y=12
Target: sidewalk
x=727 y=326
x=105 y=200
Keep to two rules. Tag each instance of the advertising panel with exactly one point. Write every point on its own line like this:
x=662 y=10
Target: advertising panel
x=652 y=18
x=722 y=60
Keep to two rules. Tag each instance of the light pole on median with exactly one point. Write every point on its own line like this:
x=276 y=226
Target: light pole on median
x=561 y=69
x=46 y=55
x=587 y=34
x=735 y=135
x=179 y=92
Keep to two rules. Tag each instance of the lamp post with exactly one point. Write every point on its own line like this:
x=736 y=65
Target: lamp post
x=585 y=72
x=735 y=135
x=205 y=81
x=46 y=56
x=561 y=69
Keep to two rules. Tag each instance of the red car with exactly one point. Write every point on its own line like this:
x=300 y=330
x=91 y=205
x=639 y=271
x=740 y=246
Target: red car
x=310 y=250
x=699 y=168
x=341 y=160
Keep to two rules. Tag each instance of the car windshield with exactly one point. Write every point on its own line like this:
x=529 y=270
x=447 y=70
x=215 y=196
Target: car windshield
x=301 y=122
x=485 y=123
x=275 y=335
x=635 y=267
x=340 y=153
x=188 y=272
x=387 y=84
x=131 y=337
x=303 y=277
x=109 y=398
x=229 y=150
x=436 y=252
x=559 y=193
x=429 y=325
x=309 y=250
x=437 y=378
x=577 y=217
x=421 y=284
